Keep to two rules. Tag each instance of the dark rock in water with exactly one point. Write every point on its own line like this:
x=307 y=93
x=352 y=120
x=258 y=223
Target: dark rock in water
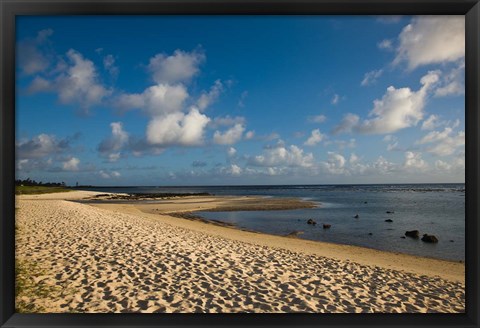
x=388 y=220
x=429 y=238
x=412 y=233
x=403 y=237
x=390 y=212
x=326 y=226
x=452 y=241
x=356 y=216
x=310 y=221
x=370 y=233
x=365 y=202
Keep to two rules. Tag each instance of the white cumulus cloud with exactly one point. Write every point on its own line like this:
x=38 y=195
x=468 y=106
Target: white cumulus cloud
x=74 y=80
x=398 y=108
x=40 y=146
x=158 y=99
x=229 y=137
x=383 y=165
x=207 y=98
x=280 y=155
x=112 y=145
x=335 y=163
x=172 y=122
x=71 y=164
x=453 y=83
x=79 y=83
x=226 y=121
x=231 y=152
x=109 y=175
x=430 y=123
x=436 y=136
x=431 y=40
x=347 y=124
x=181 y=66
x=444 y=142
x=456 y=164
x=353 y=158
x=413 y=160
x=31 y=58
x=315 y=137
x=235 y=170
x=177 y=129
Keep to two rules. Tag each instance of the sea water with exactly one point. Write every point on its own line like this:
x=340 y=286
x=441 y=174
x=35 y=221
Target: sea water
x=436 y=209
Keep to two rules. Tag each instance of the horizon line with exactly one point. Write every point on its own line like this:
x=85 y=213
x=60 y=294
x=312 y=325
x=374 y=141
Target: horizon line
x=265 y=185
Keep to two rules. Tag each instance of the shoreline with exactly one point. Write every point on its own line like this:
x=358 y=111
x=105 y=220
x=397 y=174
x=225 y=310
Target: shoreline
x=174 y=209
x=118 y=258
x=296 y=234
x=451 y=270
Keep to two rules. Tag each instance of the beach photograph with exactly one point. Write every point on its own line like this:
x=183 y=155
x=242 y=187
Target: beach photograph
x=240 y=164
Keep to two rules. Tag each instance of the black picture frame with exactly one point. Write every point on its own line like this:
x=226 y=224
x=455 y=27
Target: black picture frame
x=10 y=9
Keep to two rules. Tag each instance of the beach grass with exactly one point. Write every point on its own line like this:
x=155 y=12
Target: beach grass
x=29 y=286
x=26 y=288
x=34 y=190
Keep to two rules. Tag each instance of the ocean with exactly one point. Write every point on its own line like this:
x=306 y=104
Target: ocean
x=436 y=209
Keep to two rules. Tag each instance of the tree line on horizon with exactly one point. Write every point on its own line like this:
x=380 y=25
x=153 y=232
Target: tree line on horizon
x=30 y=182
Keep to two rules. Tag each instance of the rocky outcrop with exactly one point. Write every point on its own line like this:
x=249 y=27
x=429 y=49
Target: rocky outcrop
x=412 y=233
x=429 y=238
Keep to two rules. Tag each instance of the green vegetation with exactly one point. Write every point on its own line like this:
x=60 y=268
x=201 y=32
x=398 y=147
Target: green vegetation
x=31 y=190
x=29 y=187
x=26 y=288
x=29 y=285
x=30 y=182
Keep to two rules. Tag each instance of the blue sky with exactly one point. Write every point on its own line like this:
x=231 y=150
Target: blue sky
x=205 y=100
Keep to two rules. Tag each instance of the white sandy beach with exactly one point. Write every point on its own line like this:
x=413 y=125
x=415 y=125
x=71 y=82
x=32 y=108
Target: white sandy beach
x=126 y=258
